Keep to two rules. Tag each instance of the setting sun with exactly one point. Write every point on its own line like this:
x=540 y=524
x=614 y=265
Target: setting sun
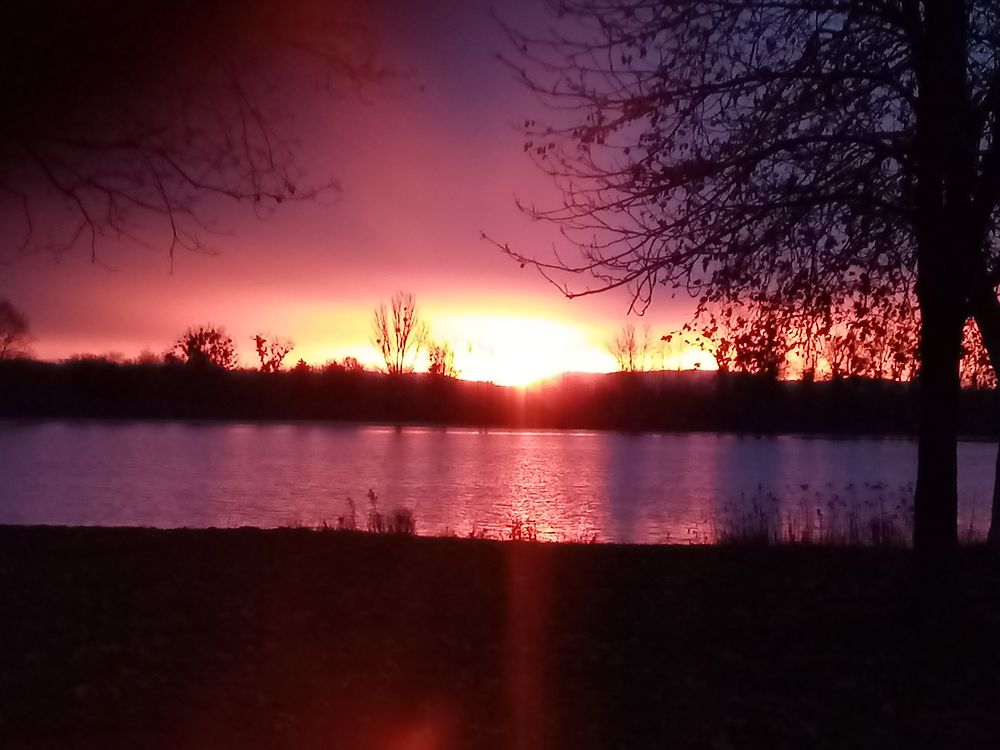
x=521 y=350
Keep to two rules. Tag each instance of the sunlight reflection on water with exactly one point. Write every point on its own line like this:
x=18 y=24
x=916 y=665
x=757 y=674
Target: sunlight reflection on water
x=558 y=485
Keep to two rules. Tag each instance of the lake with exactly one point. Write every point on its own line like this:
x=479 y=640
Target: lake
x=559 y=485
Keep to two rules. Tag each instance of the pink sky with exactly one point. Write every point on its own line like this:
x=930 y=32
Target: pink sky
x=427 y=163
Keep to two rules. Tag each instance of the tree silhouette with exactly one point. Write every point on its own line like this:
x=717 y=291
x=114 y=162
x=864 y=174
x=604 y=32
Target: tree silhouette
x=977 y=371
x=633 y=349
x=122 y=119
x=347 y=364
x=398 y=332
x=808 y=152
x=205 y=346
x=271 y=352
x=351 y=364
x=869 y=338
x=14 y=332
x=441 y=360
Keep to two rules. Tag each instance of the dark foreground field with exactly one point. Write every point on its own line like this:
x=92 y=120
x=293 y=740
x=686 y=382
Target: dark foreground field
x=299 y=639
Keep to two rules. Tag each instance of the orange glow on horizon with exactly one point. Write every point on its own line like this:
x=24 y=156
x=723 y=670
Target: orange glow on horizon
x=532 y=343
x=690 y=358
x=511 y=350
x=515 y=349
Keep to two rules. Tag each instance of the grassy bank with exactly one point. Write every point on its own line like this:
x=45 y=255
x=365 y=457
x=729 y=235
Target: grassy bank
x=298 y=639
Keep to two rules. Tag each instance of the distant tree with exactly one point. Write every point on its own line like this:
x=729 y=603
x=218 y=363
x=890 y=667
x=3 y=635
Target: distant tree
x=398 y=332
x=271 y=351
x=801 y=151
x=205 y=346
x=347 y=364
x=633 y=349
x=123 y=119
x=352 y=364
x=302 y=366
x=113 y=359
x=147 y=358
x=442 y=360
x=14 y=332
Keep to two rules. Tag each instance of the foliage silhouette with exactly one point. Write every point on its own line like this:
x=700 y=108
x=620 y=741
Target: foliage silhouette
x=271 y=351
x=205 y=346
x=830 y=162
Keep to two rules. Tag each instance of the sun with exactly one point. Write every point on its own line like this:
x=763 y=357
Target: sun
x=522 y=350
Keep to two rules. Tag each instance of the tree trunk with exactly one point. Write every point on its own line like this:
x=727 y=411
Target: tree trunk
x=993 y=536
x=986 y=308
x=935 y=511
x=946 y=159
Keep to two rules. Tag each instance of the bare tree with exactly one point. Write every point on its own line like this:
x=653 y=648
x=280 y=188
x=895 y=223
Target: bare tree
x=271 y=351
x=633 y=349
x=14 y=332
x=205 y=346
x=807 y=151
x=127 y=120
x=398 y=332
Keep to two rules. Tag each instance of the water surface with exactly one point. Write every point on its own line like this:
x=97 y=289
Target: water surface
x=564 y=485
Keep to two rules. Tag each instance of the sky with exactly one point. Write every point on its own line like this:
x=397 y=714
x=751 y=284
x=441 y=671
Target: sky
x=428 y=161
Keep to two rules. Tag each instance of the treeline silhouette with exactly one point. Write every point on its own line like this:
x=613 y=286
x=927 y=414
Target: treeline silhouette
x=667 y=400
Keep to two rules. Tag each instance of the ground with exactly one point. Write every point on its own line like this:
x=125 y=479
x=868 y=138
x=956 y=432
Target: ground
x=123 y=638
